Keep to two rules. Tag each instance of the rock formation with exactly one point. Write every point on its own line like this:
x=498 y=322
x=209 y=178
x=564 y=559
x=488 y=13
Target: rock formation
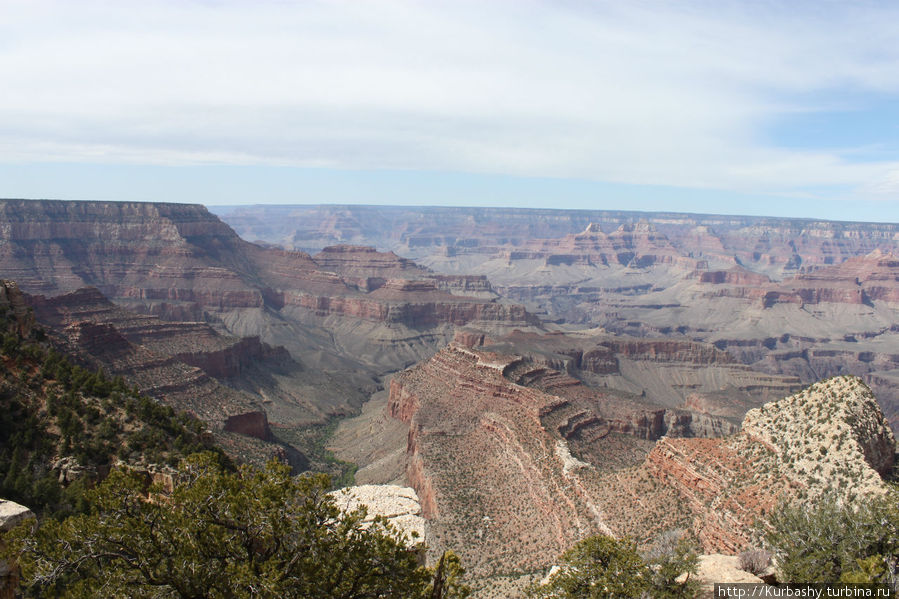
x=11 y=515
x=795 y=297
x=504 y=453
x=829 y=438
x=399 y=505
x=337 y=310
x=154 y=356
x=770 y=245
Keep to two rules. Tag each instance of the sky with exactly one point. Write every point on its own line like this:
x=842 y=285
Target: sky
x=782 y=108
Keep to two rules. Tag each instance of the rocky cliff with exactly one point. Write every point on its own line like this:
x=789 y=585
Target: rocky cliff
x=506 y=452
x=658 y=372
x=475 y=447
x=794 y=297
x=155 y=252
x=770 y=245
x=181 y=263
x=829 y=438
x=14 y=304
x=503 y=452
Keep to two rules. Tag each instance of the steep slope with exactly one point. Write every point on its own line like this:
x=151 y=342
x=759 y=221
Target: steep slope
x=795 y=297
x=180 y=262
x=490 y=452
x=63 y=426
x=669 y=372
x=192 y=366
x=829 y=438
x=156 y=357
x=506 y=453
x=157 y=252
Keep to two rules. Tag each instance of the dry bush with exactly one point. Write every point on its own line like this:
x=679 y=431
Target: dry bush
x=754 y=561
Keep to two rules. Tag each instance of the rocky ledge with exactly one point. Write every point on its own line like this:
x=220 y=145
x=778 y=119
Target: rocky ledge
x=399 y=505
x=11 y=515
x=829 y=438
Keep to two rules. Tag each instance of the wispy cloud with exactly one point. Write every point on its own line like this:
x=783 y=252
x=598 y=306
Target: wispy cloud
x=664 y=93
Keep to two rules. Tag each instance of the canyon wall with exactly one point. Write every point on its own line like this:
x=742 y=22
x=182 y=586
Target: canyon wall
x=506 y=453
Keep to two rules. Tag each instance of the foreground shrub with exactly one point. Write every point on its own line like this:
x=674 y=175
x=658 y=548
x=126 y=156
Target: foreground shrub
x=604 y=567
x=835 y=542
x=219 y=534
x=754 y=561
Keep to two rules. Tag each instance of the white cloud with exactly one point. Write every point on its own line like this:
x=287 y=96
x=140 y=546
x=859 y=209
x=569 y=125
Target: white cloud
x=635 y=92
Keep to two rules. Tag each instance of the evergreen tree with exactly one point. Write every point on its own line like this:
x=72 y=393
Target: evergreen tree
x=224 y=535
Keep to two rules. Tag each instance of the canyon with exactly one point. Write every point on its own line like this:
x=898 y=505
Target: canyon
x=254 y=340
x=534 y=376
x=503 y=461
x=797 y=297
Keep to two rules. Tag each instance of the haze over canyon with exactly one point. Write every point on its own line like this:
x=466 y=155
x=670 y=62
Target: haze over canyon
x=535 y=376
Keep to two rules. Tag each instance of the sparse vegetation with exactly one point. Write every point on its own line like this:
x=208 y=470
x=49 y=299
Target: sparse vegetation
x=755 y=561
x=62 y=426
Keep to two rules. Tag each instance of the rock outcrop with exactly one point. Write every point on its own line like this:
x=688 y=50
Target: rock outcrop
x=176 y=259
x=13 y=302
x=473 y=447
x=155 y=252
x=160 y=358
x=662 y=372
x=11 y=515
x=829 y=438
x=504 y=454
x=781 y=295
x=399 y=505
x=348 y=308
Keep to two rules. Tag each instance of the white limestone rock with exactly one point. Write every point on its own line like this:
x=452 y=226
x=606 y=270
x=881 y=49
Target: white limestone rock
x=400 y=505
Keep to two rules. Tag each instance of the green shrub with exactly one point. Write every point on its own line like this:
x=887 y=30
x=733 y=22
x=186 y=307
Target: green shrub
x=251 y=533
x=605 y=567
x=834 y=541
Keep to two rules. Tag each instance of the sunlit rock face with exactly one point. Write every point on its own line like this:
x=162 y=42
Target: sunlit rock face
x=399 y=505
x=829 y=438
x=11 y=515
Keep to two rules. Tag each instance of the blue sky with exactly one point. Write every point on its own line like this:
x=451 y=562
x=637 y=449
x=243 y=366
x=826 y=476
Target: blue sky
x=781 y=108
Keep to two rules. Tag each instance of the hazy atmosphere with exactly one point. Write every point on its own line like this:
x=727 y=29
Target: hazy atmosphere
x=781 y=108
x=506 y=299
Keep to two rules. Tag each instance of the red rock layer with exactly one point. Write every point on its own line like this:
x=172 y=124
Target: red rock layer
x=485 y=456
x=637 y=246
x=858 y=280
x=179 y=261
x=173 y=362
x=474 y=445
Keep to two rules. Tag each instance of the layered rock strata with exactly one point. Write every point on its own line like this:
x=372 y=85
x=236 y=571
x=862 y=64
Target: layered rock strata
x=770 y=245
x=793 y=297
x=500 y=465
x=830 y=438
x=506 y=455
x=162 y=359
x=349 y=310
x=178 y=261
